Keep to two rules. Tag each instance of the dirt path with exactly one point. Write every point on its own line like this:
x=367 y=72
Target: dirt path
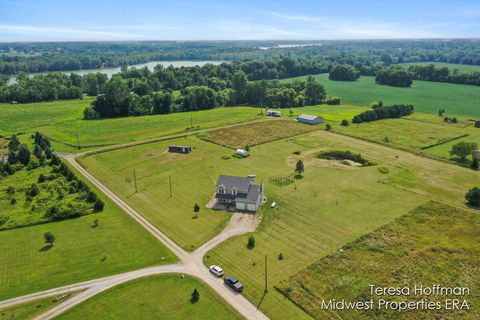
x=191 y=263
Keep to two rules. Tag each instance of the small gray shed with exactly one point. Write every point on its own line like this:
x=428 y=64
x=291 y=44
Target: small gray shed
x=309 y=119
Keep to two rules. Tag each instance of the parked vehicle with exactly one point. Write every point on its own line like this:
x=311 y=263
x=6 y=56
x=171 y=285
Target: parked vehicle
x=216 y=270
x=233 y=283
x=274 y=204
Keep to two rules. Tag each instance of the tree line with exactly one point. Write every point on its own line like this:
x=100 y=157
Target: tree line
x=125 y=96
x=384 y=112
x=443 y=74
x=44 y=57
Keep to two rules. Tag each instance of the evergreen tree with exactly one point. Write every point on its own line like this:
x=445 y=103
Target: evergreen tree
x=13 y=144
x=195 y=296
x=23 y=155
x=299 y=167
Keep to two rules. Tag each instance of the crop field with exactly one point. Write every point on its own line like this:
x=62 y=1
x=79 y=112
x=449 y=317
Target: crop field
x=451 y=66
x=81 y=251
x=157 y=297
x=425 y=96
x=332 y=205
x=434 y=244
x=253 y=134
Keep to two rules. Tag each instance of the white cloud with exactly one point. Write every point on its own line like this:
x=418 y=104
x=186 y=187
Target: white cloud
x=292 y=17
x=67 y=32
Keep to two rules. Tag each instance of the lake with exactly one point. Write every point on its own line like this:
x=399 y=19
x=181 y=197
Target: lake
x=150 y=65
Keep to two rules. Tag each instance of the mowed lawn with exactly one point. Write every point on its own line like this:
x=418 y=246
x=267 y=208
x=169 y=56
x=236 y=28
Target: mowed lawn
x=157 y=297
x=30 y=309
x=425 y=96
x=62 y=120
x=80 y=252
x=193 y=179
x=253 y=134
x=434 y=244
x=315 y=215
x=328 y=208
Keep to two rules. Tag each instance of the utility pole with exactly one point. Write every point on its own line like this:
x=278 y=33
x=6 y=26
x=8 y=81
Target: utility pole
x=135 y=180
x=170 y=180
x=266 y=277
x=78 y=141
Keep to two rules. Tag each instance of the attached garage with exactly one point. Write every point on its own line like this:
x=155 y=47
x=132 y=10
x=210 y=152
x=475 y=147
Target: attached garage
x=240 y=205
x=251 y=207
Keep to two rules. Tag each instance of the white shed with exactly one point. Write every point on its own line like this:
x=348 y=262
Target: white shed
x=242 y=152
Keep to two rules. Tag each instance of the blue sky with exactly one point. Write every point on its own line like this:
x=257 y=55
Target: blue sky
x=53 y=20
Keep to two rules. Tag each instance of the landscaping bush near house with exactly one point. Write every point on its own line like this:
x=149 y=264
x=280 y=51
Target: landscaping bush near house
x=344 y=155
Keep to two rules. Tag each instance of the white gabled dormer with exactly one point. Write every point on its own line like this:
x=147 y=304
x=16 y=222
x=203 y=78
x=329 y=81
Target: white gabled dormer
x=221 y=189
x=234 y=191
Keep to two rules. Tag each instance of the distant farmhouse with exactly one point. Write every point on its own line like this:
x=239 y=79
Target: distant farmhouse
x=179 y=149
x=309 y=119
x=274 y=113
x=239 y=192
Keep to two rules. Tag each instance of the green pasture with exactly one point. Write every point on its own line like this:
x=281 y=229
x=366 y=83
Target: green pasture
x=425 y=96
x=156 y=297
x=315 y=215
x=80 y=252
x=434 y=244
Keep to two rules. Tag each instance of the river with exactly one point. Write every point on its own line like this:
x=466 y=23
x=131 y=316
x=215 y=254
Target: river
x=111 y=71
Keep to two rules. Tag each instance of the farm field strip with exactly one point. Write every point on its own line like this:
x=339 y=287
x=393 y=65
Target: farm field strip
x=458 y=100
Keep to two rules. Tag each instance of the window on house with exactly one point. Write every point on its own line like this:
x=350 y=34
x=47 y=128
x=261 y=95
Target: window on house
x=221 y=191
x=234 y=192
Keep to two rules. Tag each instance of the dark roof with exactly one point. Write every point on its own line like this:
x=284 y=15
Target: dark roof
x=175 y=146
x=253 y=194
x=229 y=182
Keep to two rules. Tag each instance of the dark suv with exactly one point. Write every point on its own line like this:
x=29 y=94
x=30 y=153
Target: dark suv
x=233 y=283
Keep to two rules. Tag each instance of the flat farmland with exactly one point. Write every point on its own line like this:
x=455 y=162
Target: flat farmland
x=425 y=96
x=253 y=134
x=81 y=251
x=328 y=208
x=420 y=133
x=62 y=120
x=193 y=179
x=435 y=243
x=157 y=297
x=315 y=215
x=451 y=66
